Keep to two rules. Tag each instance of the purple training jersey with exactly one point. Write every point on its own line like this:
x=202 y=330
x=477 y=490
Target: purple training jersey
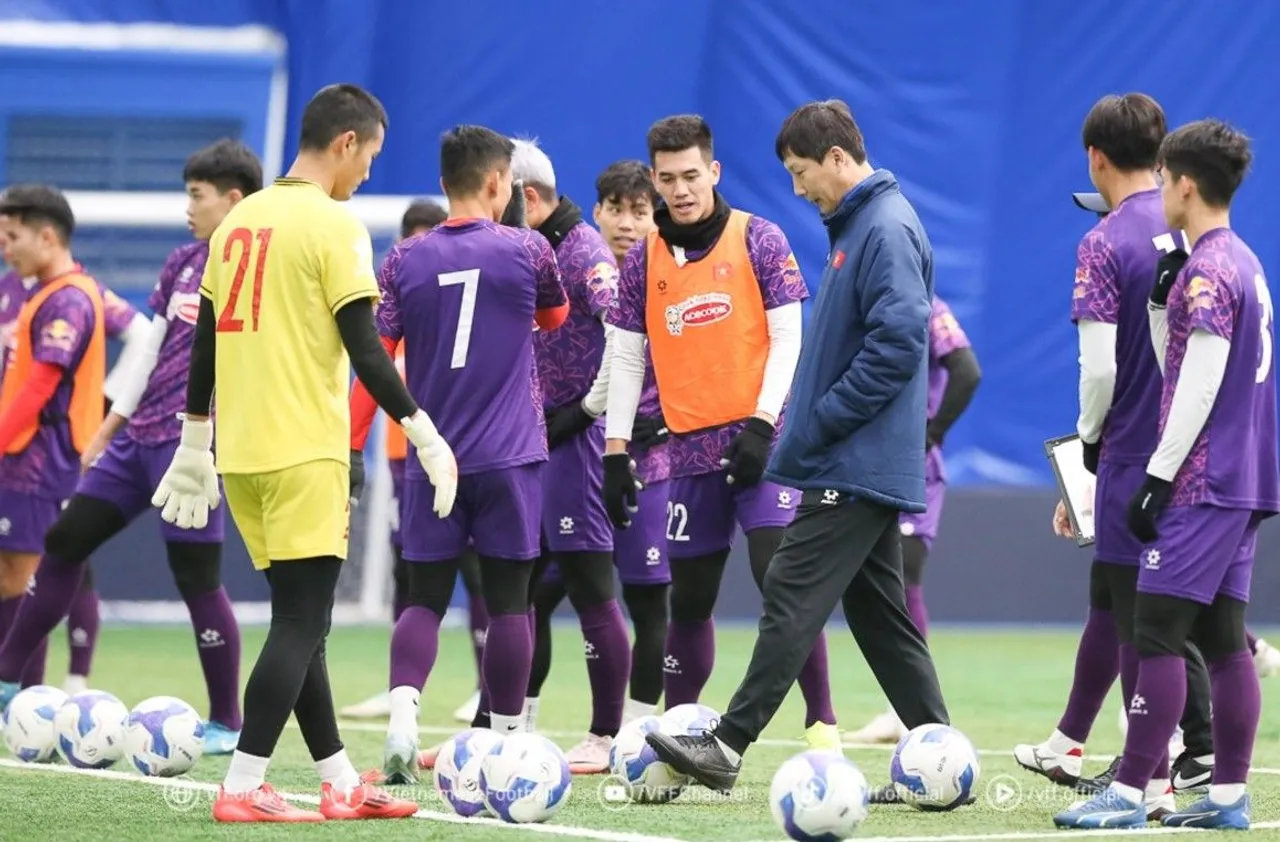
x=780 y=282
x=1221 y=290
x=569 y=357
x=1115 y=268
x=176 y=297
x=462 y=297
x=60 y=333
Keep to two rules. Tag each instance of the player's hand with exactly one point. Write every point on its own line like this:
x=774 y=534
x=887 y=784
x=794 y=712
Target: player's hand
x=436 y=458
x=1146 y=507
x=1092 y=453
x=189 y=489
x=565 y=422
x=649 y=431
x=1167 y=269
x=748 y=453
x=1062 y=523
x=357 y=476
x=93 y=452
x=621 y=485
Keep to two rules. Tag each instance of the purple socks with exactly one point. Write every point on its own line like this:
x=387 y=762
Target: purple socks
x=1097 y=665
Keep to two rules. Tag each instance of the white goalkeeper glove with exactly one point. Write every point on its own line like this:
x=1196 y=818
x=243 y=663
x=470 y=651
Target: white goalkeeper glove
x=189 y=489
x=436 y=458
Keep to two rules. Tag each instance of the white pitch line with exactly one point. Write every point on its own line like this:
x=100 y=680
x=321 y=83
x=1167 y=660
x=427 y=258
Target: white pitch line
x=375 y=727
x=180 y=803
x=1045 y=834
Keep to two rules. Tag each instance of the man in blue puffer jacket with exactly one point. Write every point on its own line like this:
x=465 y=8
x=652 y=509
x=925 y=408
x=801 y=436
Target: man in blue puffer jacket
x=854 y=444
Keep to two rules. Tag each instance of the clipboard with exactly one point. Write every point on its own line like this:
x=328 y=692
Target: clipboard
x=1075 y=484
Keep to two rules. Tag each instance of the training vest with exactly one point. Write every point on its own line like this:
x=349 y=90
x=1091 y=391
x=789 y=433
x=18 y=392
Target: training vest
x=708 y=334
x=397 y=443
x=85 y=412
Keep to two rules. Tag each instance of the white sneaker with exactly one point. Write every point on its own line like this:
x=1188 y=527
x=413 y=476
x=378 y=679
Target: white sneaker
x=1056 y=766
x=374 y=707
x=589 y=757
x=883 y=728
x=1160 y=806
x=468 y=709
x=1266 y=658
x=78 y=684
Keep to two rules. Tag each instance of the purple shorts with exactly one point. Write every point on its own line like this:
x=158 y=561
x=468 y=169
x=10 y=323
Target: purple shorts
x=640 y=550
x=397 y=494
x=126 y=475
x=1202 y=551
x=24 y=520
x=704 y=508
x=1116 y=485
x=924 y=526
x=497 y=510
x=573 y=514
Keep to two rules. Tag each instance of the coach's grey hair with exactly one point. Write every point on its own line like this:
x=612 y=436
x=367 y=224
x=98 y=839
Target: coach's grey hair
x=531 y=165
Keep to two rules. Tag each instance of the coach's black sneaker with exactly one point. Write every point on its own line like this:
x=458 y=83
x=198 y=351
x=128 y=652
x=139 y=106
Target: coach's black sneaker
x=1190 y=775
x=1092 y=786
x=700 y=757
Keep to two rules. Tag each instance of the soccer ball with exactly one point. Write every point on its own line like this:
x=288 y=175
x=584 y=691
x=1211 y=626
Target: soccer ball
x=457 y=772
x=637 y=772
x=691 y=719
x=28 y=723
x=525 y=778
x=819 y=796
x=164 y=737
x=934 y=767
x=90 y=728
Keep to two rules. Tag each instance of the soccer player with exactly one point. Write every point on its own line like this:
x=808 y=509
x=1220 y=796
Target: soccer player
x=440 y=291
x=576 y=531
x=953 y=378
x=135 y=444
x=1119 y=405
x=1210 y=482
x=717 y=292
x=290 y=284
x=625 y=200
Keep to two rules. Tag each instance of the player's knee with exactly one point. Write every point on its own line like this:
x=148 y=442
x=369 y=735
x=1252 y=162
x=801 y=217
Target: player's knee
x=81 y=528
x=197 y=568
x=430 y=585
x=1162 y=624
x=1220 y=630
x=762 y=543
x=914 y=555
x=587 y=578
x=647 y=605
x=506 y=585
x=695 y=585
x=547 y=596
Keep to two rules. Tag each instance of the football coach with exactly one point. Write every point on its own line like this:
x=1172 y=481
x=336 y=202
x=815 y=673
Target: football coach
x=853 y=444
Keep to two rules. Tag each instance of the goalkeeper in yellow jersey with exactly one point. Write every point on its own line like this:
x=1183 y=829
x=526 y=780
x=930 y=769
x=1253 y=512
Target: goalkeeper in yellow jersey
x=287 y=295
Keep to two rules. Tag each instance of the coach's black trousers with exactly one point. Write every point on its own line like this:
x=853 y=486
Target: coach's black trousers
x=836 y=550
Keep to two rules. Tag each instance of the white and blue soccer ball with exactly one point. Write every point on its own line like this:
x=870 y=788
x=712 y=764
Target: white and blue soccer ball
x=819 y=796
x=525 y=779
x=637 y=773
x=457 y=772
x=29 y=729
x=90 y=728
x=691 y=719
x=164 y=737
x=935 y=767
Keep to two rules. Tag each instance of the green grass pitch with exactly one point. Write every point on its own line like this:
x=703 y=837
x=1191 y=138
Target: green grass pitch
x=1002 y=688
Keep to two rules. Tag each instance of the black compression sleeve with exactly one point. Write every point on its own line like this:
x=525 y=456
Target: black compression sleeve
x=963 y=375
x=370 y=360
x=201 y=372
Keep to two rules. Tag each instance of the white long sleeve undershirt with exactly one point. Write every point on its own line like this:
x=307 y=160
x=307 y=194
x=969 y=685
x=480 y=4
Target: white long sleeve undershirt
x=133 y=377
x=1158 y=321
x=597 y=399
x=785 y=325
x=1097 y=377
x=626 y=382
x=1203 y=367
x=134 y=338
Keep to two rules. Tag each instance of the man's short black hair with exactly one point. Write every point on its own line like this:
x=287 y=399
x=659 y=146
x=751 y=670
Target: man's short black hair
x=678 y=133
x=813 y=130
x=1212 y=154
x=423 y=213
x=468 y=153
x=1127 y=129
x=227 y=165
x=38 y=205
x=625 y=180
x=337 y=109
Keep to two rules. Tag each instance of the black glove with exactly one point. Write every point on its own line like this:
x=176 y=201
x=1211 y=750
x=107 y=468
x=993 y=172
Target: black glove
x=932 y=436
x=565 y=422
x=357 y=476
x=1091 y=454
x=649 y=431
x=513 y=216
x=1146 y=506
x=748 y=453
x=620 y=488
x=1167 y=269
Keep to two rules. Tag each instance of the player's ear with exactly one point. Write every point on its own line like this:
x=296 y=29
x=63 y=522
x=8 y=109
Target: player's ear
x=233 y=196
x=715 y=173
x=595 y=214
x=346 y=143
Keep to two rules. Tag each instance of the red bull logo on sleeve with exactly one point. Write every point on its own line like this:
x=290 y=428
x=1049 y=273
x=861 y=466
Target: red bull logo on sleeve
x=59 y=334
